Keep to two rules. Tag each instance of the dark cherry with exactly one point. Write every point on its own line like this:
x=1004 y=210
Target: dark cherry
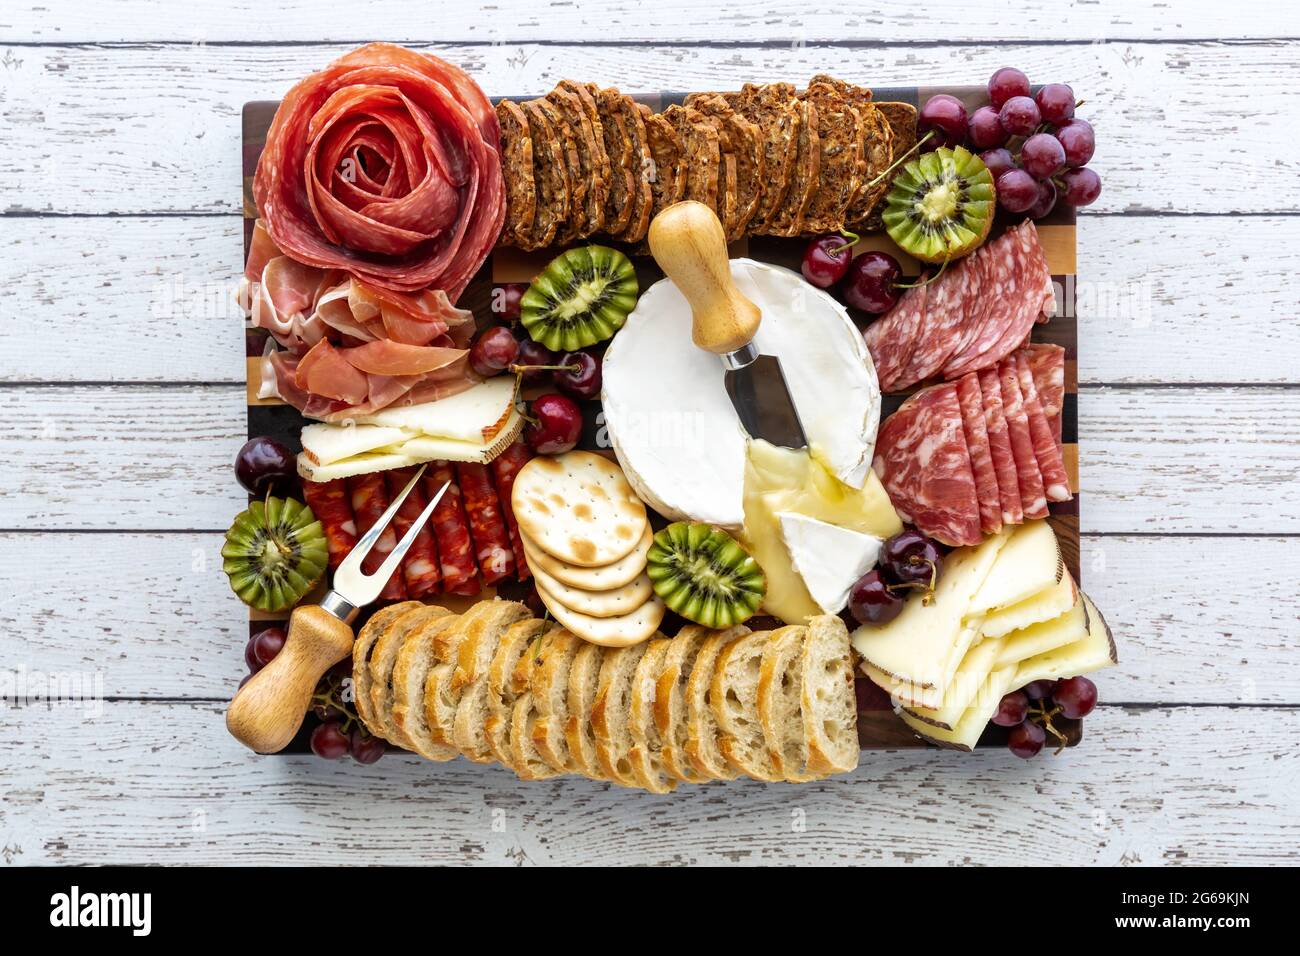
x=1076 y=696
x=1026 y=739
x=985 y=129
x=365 y=747
x=262 y=648
x=329 y=741
x=944 y=115
x=506 y=299
x=582 y=379
x=1056 y=103
x=558 y=425
x=493 y=350
x=998 y=161
x=535 y=354
x=871 y=283
x=1039 y=689
x=263 y=465
x=871 y=601
x=1013 y=708
x=1006 y=83
x=826 y=259
x=909 y=557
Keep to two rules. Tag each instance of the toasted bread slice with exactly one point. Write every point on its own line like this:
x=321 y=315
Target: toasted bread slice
x=734 y=699
x=789 y=218
x=612 y=711
x=618 y=147
x=382 y=659
x=667 y=171
x=827 y=699
x=901 y=120
x=578 y=109
x=362 y=648
x=635 y=160
x=843 y=163
x=779 y=704
x=701 y=727
x=550 y=180
x=500 y=693
x=774 y=110
x=647 y=747
x=410 y=673
x=549 y=685
x=473 y=662
x=517 y=170
x=567 y=137
x=583 y=689
x=670 y=702
x=702 y=156
x=742 y=143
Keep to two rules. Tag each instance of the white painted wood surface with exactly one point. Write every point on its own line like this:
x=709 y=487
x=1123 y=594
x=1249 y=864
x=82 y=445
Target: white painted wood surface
x=121 y=405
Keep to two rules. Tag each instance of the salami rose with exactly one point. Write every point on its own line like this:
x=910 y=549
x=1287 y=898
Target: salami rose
x=385 y=164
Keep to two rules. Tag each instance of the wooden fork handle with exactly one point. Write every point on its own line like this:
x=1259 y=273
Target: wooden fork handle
x=267 y=711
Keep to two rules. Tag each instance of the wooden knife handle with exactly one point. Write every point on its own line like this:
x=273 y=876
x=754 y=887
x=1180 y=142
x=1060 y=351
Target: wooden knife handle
x=267 y=711
x=687 y=241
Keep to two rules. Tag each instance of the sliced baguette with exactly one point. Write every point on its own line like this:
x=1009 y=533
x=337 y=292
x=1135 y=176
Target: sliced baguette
x=500 y=693
x=779 y=704
x=382 y=659
x=670 y=702
x=647 y=747
x=361 y=651
x=584 y=687
x=524 y=758
x=610 y=715
x=734 y=699
x=410 y=673
x=549 y=685
x=441 y=691
x=701 y=727
x=473 y=662
x=827 y=699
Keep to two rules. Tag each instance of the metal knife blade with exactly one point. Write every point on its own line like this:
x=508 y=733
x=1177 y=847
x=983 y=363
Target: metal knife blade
x=761 y=398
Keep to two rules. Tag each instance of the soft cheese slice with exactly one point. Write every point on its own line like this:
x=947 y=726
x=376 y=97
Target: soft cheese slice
x=966 y=734
x=1091 y=653
x=926 y=642
x=1030 y=563
x=1043 y=606
x=326 y=444
x=1045 y=636
x=356 y=465
x=830 y=559
x=475 y=415
x=686 y=457
x=962 y=693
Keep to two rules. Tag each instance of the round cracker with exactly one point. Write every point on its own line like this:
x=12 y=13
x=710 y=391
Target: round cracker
x=622 y=631
x=578 y=507
x=623 y=571
x=614 y=603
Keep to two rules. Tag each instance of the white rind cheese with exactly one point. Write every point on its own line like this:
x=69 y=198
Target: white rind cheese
x=829 y=559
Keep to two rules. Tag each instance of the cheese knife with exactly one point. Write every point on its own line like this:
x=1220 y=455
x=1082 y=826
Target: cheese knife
x=687 y=241
x=267 y=711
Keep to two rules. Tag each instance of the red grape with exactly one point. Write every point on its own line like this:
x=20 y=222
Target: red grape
x=365 y=747
x=985 y=129
x=1076 y=696
x=1055 y=102
x=1019 y=116
x=493 y=351
x=262 y=648
x=1017 y=190
x=871 y=601
x=585 y=382
x=558 y=425
x=329 y=741
x=506 y=300
x=1081 y=187
x=871 y=283
x=998 y=161
x=1006 y=83
x=1012 y=709
x=826 y=259
x=946 y=116
x=1078 y=140
x=909 y=557
x=1026 y=739
x=263 y=465
x=1039 y=689
x=1045 y=202
x=535 y=353
x=328 y=712
x=1042 y=156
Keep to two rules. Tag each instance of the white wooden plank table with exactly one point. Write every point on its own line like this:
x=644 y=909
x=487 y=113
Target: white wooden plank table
x=121 y=406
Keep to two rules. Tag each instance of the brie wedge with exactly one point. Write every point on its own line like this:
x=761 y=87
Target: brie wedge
x=829 y=559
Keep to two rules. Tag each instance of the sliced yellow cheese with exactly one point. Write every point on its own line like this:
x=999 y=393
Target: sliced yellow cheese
x=357 y=465
x=475 y=415
x=1092 y=652
x=1048 y=604
x=1043 y=637
x=904 y=692
x=1030 y=563
x=926 y=642
x=966 y=734
x=962 y=693
x=327 y=444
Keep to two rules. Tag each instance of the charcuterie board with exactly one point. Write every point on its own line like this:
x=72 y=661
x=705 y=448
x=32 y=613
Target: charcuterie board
x=878 y=726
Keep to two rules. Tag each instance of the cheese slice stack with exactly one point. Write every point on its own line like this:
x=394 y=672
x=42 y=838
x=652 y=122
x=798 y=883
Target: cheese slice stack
x=475 y=425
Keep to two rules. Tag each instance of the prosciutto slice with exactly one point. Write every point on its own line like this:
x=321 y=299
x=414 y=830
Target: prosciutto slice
x=385 y=164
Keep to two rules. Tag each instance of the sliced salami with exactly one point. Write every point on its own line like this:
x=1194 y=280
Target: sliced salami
x=1004 y=462
x=1029 y=298
x=451 y=531
x=924 y=464
x=890 y=339
x=1056 y=483
x=369 y=502
x=420 y=566
x=1030 y=479
x=981 y=457
x=938 y=334
x=504 y=470
x=487 y=526
x=1047 y=362
x=330 y=503
x=975 y=302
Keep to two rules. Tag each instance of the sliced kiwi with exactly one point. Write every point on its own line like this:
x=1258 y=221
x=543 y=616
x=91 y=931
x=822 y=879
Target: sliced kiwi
x=581 y=298
x=275 y=552
x=703 y=574
x=940 y=207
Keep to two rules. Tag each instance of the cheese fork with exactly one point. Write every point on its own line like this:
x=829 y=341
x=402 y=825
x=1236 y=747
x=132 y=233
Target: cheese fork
x=267 y=711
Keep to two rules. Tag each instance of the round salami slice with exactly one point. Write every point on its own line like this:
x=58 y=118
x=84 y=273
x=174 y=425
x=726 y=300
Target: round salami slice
x=944 y=318
x=892 y=338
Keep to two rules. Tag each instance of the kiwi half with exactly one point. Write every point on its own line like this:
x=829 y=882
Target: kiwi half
x=581 y=298
x=703 y=574
x=275 y=552
x=940 y=207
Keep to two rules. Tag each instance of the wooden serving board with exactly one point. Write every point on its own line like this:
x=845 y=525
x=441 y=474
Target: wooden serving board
x=878 y=727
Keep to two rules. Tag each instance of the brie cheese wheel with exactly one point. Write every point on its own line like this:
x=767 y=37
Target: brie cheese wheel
x=669 y=418
x=829 y=559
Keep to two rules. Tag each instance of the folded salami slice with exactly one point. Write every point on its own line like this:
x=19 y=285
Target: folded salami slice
x=369 y=502
x=938 y=334
x=1032 y=498
x=981 y=457
x=487 y=526
x=330 y=503
x=1047 y=362
x=1056 y=483
x=890 y=339
x=1004 y=462
x=924 y=464
x=1030 y=298
x=420 y=566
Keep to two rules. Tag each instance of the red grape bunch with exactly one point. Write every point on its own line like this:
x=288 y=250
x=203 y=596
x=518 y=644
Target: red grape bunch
x=1029 y=712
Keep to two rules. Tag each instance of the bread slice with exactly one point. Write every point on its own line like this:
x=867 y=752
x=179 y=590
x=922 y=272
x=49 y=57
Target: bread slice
x=361 y=651
x=623 y=170
x=828 y=702
x=567 y=137
x=701 y=727
x=549 y=685
x=500 y=693
x=779 y=704
x=410 y=673
x=647 y=747
x=524 y=758
x=474 y=659
x=611 y=713
x=670 y=702
x=578 y=109
x=742 y=144
x=382 y=659
x=843 y=158
x=877 y=141
x=442 y=692
x=774 y=110
x=584 y=687
x=789 y=218
x=517 y=170
x=901 y=119
x=550 y=180
x=734 y=699
x=701 y=154
x=626 y=114
x=667 y=173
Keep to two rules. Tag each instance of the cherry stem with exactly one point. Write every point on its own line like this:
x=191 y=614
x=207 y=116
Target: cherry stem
x=520 y=369
x=915 y=146
x=1078 y=103
x=917 y=285
x=850 y=240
